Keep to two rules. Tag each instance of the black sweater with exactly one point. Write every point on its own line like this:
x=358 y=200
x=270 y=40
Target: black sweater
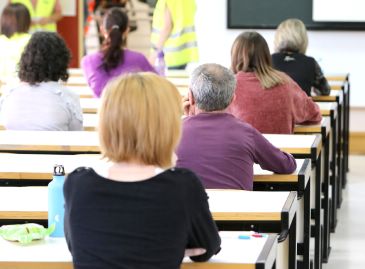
x=144 y=224
x=304 y=70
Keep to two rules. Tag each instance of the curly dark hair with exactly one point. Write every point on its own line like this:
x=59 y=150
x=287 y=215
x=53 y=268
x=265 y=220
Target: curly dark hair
x=45 y=58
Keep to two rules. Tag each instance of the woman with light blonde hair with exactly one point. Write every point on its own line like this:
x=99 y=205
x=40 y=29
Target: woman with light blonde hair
x=266 y=98
x=291 y=42
x=143 y=212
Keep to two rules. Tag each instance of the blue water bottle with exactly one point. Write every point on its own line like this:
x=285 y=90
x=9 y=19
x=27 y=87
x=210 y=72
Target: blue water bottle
x=160 y=65
x=56 y=201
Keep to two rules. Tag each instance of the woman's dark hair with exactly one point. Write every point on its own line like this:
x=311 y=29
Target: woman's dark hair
x=45 y=58
x=115 y=23
x=15 y=19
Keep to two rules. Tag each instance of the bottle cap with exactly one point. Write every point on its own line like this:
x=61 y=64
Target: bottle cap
x=58 y=170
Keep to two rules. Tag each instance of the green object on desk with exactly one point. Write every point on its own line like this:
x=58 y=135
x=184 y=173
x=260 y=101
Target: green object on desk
x=25 y=233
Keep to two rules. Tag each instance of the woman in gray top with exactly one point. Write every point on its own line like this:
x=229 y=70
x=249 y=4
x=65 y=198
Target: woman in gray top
x=40 y=102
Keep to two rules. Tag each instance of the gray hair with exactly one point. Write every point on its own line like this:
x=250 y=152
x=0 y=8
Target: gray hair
x=212 y=86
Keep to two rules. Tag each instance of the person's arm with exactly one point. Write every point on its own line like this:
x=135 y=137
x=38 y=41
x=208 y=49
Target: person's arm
x=94 y=73
x=67 y=196
x=305 y=110
x=271 y=158
x=320 y=83
x=163 y=35
x=204 y=233
x=72 y=101
x=55 y=17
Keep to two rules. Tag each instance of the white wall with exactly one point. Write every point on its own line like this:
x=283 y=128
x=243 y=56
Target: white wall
x=336 y=51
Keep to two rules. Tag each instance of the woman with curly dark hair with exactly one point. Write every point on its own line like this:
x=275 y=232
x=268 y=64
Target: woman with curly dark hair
x=40 y=102
x=113 y=59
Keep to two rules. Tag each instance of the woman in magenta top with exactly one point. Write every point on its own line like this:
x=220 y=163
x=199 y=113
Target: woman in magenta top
x=267 y=99
x=113 y=59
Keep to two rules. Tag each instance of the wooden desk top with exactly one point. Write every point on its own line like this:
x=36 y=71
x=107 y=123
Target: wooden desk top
x=90 y=105
x=337 y=77
x=230 y=257
x=82 y=91
x=83 y=141
x=296 y=144
x=52 y=253
x=225 y=205
x=60 y=141
x=76 y=81
x=182 y=82
x=335 y=96
x=328 y=107
x=177 y=74
x=228 y=205
x=75 y=72
x=315 y=128
x=39 y=167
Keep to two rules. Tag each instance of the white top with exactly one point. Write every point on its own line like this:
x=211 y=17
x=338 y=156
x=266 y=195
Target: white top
x=47 y=106
x=55 y=250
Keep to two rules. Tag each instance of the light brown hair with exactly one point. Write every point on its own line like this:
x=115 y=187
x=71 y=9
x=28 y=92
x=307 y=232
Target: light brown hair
x=140 y=119
x=250 y=53
x=291 y=35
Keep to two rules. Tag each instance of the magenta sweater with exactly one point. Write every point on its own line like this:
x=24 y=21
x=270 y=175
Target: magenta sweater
x=221 y=150
x=275 y=110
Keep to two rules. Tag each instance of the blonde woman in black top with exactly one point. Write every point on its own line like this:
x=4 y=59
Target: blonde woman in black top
x=141 y=212
x=291 y=43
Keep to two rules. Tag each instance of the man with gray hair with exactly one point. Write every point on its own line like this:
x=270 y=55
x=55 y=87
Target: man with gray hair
x=215 y=145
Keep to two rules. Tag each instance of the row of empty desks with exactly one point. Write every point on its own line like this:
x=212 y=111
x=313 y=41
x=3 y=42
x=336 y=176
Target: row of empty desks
x=230 y=209
x=52 y=253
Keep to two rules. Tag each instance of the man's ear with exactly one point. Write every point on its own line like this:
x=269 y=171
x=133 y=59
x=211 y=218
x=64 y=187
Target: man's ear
x=191 y=98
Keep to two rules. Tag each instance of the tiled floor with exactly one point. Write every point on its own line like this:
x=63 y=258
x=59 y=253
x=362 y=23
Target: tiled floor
x=348 y=243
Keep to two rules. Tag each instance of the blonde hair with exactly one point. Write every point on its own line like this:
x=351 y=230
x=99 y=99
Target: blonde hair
x=291 y=35
x=140 y=119
x=250 y=53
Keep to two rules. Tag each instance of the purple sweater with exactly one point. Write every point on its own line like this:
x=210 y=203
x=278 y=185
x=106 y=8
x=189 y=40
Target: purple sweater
x=97 y=77
x=221 y=150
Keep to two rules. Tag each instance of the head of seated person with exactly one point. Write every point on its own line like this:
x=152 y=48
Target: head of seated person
x=14 y=27
x=139 y=128
x=290 y=45
x=215 y=145
x=15 y=18
x=45 y=59
x=211 y=89
x=114 y=58
x=266 y=98
x=40 y=102
x=132 y=116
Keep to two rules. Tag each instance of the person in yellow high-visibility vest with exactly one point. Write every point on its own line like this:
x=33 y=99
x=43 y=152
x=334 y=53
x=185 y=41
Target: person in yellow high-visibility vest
x=173 y=32
x=44 y=13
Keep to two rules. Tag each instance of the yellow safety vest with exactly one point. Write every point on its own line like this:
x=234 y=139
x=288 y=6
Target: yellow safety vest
x=44 y=8
x=181 y=47
x=11 y=50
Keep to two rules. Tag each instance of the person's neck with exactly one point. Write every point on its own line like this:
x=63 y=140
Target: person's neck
x=131 y=171
x=199 y=111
